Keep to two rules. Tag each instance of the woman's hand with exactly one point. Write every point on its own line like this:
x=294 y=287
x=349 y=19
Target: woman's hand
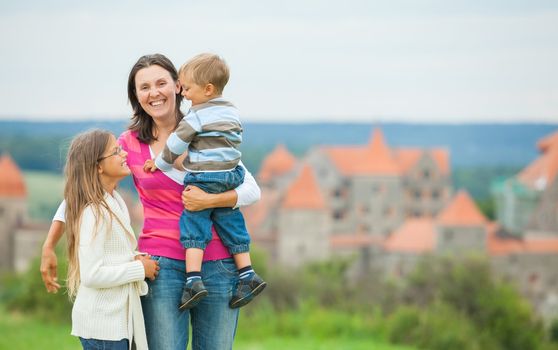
x=195 y=199
x=49 y=265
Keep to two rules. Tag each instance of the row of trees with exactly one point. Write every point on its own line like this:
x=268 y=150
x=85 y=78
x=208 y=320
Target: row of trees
x=446 y=303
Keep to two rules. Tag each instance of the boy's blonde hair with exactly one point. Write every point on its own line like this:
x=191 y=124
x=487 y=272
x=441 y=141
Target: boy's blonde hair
x=206 y=68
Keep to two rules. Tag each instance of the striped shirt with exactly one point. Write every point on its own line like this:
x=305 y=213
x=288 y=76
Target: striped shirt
x=211 y=132
x=161 y=198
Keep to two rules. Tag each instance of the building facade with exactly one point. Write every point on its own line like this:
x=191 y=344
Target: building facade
x=20 y=238
x=390 y=206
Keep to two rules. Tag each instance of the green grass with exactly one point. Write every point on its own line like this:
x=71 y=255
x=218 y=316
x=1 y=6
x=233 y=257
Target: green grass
x=44 y=193
x=18 y=331
x=313 y=344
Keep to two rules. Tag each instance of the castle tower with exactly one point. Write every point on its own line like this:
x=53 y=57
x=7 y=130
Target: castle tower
x=277 y=163
x=528 y=201
x=13 y=208
x=303 y=227
x=461 y=226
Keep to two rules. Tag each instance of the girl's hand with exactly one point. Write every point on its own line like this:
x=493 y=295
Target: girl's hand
x=149 y=166
x=150 y=266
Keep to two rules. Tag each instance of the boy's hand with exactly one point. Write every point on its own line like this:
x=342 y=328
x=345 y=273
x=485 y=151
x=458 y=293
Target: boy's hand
x=149 y=166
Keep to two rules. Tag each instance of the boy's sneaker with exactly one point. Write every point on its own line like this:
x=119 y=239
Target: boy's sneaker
x=246 y=290
x=192 y=294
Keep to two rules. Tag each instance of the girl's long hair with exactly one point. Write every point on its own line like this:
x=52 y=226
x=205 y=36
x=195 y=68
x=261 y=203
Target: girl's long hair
x=83 y=187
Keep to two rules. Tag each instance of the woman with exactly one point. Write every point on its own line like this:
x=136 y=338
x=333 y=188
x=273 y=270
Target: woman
x=154 y=93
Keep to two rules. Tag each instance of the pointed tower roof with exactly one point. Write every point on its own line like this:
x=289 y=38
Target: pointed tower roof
x=373 y=159
x=12 y=183
x=461 y=211
x=543 y=170
x=548 y=142
x=278 y=162
x=417 y=235
x=304 y=192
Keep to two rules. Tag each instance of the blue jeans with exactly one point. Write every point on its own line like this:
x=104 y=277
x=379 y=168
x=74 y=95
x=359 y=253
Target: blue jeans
x=195 y=226
x=97 y=344
x=213 y=322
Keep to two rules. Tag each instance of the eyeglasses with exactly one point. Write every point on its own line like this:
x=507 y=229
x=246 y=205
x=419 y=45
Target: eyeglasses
x=116 y=152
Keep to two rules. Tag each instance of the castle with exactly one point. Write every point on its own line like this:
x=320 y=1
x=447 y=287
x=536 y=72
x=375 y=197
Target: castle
x=390 y=206
x=20 y=238
x=386 y=206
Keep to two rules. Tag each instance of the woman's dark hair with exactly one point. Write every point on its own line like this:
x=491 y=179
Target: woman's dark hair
x=141 y=121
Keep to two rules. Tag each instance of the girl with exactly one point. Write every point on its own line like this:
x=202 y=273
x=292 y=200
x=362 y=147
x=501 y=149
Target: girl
x=105 y=274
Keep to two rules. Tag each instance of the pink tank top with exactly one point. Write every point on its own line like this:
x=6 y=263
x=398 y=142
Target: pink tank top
x=161 y=198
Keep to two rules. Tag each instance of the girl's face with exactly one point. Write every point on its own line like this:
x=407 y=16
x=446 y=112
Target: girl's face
x=112 y=164
x=156 y=92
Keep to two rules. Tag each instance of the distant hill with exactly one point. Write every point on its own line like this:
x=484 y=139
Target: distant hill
x=41 y=145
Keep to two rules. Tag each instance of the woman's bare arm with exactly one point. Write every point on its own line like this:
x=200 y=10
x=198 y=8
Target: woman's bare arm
x=49 y=262
x=195 y=199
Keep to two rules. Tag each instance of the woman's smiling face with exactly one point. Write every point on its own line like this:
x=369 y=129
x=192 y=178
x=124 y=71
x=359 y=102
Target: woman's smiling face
x=156 y=92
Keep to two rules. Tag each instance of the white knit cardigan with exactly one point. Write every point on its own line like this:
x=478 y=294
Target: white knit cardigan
x=107 y=304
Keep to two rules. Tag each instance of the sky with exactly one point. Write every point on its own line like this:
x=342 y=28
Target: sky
x=291 y=60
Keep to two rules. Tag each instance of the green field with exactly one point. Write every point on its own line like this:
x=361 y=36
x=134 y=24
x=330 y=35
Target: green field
x=18 y=331
x=44 y=193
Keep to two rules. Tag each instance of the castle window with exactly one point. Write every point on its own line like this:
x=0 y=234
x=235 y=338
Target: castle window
x=448 y=235
x=435 y=194
x=338 y=193
x=426 y=174
x=417 y=194
x=378 y=189
x=338 y=214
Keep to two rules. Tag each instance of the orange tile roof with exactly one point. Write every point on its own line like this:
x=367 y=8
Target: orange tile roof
x=12 y=183
x=354 y=240
x=499 y=246
x=407 y=157
x=304 y=192
x=373 y=159
x=548 y=141
x=256 y=213
x=542 y=171
x=416 y=235
x=441 y=156
x=278 y=162
x=461 y=211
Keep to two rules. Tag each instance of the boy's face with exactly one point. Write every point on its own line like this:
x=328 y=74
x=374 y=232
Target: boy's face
x=195 y=93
